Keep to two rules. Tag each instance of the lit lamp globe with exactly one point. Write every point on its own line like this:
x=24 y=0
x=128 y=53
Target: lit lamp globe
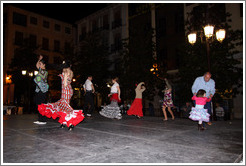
x=220 y=35
x=208 y=31
x=23 y=72
x=35 y=72
x=192 y=38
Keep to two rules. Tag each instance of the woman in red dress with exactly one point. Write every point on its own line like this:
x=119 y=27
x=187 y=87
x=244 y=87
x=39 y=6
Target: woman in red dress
x=137 y=106
x=62 y=109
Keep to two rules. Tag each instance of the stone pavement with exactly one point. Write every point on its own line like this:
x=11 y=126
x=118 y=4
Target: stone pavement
x=100 y=140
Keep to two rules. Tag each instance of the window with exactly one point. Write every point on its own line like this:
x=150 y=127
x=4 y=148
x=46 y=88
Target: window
x=33 y=40
x=57 y=27
x=45 y=44
x=67 y=30
x=105 y=22
x=179 y=22
x=46 y=24
x=94 y=26
x=162 y=27
x=67 y=48
x=33 y=20
x=18 y=38
x=117 y=20
x=19 y=19
x=83 y=33
x=56 y=45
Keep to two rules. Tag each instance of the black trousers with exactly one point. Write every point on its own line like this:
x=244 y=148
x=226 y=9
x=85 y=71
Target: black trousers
x=40 y=98
x=89 y=103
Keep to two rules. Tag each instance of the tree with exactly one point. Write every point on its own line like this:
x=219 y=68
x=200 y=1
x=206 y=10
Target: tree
x=24 y=58
x=92 y=59
x=224 y=67
x=137 y=60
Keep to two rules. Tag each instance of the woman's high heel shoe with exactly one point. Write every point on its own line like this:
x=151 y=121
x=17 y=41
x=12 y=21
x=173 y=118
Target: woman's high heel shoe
x=62 y=126
x=70 y=127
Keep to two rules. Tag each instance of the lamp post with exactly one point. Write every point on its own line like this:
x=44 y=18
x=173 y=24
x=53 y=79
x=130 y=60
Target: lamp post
x=209 y=35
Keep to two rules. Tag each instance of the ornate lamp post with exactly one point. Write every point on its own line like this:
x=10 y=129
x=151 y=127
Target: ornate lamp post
x=209 y=35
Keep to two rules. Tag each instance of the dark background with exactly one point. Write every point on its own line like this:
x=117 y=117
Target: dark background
x=67 y=12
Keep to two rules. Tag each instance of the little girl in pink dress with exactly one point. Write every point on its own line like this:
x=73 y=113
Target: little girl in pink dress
x=198 y=113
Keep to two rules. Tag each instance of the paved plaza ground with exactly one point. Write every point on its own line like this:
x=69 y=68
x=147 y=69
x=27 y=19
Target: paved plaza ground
x=100 y=140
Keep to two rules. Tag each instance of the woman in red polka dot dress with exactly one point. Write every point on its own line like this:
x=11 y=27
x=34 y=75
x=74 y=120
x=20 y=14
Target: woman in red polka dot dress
x=62 y=109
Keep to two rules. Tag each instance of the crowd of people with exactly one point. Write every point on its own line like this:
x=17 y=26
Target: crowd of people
x=203 y=90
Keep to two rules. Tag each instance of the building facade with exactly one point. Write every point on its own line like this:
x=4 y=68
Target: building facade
x=112 y=23
x=50 y=36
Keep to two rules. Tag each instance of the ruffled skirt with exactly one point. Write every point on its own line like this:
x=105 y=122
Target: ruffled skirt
x=63 y=111
x=199 y=114
x=136 y=108
x=111 y=111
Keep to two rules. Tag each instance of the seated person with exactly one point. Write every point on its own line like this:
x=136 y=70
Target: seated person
x=219 y=112
x=185 y=110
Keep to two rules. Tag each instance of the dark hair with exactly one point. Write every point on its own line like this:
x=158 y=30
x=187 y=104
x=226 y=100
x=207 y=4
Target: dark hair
x=116 y=79
x=200 y=93
x=43 y=61
x=65 y=64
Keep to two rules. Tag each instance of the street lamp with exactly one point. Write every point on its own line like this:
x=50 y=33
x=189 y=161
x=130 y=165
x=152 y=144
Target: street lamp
x=209 y=35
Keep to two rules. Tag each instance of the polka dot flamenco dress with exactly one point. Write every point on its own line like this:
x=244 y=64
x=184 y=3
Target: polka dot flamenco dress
x=62 y=109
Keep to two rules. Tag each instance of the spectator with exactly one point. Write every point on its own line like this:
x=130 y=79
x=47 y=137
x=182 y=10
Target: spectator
x=220 y=113
x=185 y=110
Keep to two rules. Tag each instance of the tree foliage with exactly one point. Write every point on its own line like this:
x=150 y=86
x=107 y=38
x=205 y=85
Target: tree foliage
x=91 y=58
x=224 y=67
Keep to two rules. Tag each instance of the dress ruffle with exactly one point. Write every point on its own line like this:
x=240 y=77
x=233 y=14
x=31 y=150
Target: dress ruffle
x=136 y=108
x=111 y=111
x=52 y=110
x=199 y=114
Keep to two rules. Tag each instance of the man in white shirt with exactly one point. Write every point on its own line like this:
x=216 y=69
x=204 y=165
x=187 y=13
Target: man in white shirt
x=89 y=97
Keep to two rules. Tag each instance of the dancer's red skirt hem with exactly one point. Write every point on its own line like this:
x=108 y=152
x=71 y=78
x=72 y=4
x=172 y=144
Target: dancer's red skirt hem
x=74 y=118
x=136 y=108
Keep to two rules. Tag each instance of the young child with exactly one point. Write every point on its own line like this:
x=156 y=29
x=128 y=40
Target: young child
x=198 y=113
x=219 y=112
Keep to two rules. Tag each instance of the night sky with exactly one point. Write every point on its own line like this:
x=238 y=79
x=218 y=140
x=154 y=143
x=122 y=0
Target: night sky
x=68 y=12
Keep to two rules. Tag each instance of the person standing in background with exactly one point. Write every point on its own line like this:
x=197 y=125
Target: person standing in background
x=89 y=96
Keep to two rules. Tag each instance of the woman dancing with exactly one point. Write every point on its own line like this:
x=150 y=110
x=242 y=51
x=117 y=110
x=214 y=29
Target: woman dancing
x=113 y=110
x=167 y=101
x=137 y=107
x=62 y=109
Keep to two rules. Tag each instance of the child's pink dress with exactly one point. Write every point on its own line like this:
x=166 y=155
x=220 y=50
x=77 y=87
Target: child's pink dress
x=198 y=113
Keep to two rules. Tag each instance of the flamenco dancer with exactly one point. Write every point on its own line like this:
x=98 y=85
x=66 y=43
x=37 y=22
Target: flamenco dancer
x=41 y=88
x=62 y=109
x=167 y=101
x=113 y=110
x=198 y=113
x=137 y=107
